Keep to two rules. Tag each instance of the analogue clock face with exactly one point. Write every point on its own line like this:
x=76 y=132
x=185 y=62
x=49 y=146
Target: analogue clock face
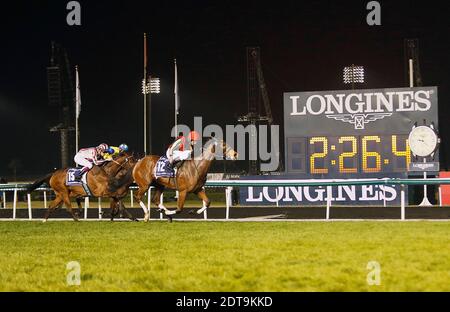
x=423 y=141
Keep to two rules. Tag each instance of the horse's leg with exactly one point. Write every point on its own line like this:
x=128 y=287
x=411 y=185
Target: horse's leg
x=113 y=206
x=78 y=200
x=68 y=204
x=180 y=203
x=206 y=202
x=156 y=199
x=56 y=203
x=138 y=197
x=124 y=210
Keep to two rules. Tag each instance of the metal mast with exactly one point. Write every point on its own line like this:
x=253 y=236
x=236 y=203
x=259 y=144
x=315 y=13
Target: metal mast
x=411 y=50
x=256 y=90
x=61 y=94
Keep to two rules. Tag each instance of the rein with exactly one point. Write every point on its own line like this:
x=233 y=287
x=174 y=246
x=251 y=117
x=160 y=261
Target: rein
x=121 y=165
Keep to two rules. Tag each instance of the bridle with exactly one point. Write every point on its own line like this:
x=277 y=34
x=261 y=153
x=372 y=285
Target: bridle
x=121 y=165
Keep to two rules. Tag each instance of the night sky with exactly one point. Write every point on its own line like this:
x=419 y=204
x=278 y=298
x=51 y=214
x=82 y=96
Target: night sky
x=304 y=47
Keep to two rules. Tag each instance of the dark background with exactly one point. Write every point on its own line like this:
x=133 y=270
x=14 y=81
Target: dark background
x=304 y=47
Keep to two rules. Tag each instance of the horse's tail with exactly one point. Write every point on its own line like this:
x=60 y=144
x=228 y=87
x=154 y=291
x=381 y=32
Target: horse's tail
x=115 y=184
x=39 y=182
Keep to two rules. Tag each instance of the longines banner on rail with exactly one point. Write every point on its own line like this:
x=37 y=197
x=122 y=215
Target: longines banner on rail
x=351 y=134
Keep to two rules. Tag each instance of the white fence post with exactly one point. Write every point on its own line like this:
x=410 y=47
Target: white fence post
x=4 y=199
x=45 y=199
x=15 y=203
x=131 y=199
x=100 y=208
x=328 y=208
x=29 y=206
x=161 y=201
x=440 y=196
x=227 y=201
x=402 y=199
x=149 y=195
x=86 y=206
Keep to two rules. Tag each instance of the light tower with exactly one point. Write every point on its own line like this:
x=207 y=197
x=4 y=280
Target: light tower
x=149 y=85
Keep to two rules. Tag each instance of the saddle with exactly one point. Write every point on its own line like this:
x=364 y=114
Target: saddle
x=72 y=181
x=163 y=168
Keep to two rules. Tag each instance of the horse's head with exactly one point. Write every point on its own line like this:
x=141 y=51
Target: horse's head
x=126 y=161
x=123 y=176
x=219 y=146
x=122 y=162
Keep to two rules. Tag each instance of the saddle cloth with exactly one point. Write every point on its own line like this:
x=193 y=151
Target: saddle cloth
x=163 y=168
x=70 y=177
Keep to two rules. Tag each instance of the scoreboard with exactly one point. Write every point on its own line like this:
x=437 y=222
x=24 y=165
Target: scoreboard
x=351 y=133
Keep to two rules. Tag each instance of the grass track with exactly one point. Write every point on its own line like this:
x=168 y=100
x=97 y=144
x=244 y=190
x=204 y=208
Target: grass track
x=225 y=256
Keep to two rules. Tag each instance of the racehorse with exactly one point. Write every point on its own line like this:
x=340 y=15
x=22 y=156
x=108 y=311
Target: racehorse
x=190 y=177
x=102 y=182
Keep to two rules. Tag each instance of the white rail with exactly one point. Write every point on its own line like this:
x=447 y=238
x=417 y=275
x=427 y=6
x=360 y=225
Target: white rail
x=229 y=184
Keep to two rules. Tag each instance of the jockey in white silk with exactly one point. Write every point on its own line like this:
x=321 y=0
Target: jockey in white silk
x=178 y=150
x=88 y=157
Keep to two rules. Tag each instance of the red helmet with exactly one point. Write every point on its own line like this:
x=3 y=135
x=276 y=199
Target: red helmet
x=194 y=136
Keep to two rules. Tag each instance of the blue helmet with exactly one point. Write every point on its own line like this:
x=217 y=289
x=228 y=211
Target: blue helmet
x=123 y=147
x=109 y=150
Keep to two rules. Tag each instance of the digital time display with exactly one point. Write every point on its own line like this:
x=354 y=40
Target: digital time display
x=349 y=154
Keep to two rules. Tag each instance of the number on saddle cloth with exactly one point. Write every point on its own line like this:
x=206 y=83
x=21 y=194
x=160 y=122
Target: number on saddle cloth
x=71 y=179
x=163 y=168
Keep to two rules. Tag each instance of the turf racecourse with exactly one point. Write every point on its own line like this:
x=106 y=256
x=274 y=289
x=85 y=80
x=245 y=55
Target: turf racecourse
x=225 y=256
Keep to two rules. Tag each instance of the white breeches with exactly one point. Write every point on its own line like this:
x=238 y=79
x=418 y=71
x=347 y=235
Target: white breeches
x=80 y=160
x=175 y=156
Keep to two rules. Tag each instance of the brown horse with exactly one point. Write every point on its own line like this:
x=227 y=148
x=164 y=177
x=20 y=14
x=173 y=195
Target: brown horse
x=190 y=177
x=116 y=204
x=102 y=182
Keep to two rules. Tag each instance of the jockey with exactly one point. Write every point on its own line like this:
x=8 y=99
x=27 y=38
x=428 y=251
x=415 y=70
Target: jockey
x=88 y=157
x=113 y=151
x=178 y=150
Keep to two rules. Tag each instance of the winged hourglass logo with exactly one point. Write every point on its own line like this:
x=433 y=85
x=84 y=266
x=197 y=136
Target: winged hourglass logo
x=359 y=120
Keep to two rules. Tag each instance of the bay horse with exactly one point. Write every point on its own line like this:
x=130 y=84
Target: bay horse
x=190 y=177
x=102 y=182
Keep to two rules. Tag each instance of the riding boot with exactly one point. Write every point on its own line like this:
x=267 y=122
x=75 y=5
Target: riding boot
x=80 y=173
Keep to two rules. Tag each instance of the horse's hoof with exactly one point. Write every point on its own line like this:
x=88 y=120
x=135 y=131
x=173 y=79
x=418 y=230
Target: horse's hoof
x=169 y=219
x=45 y=220
x=135 y=220
x=146 y=217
